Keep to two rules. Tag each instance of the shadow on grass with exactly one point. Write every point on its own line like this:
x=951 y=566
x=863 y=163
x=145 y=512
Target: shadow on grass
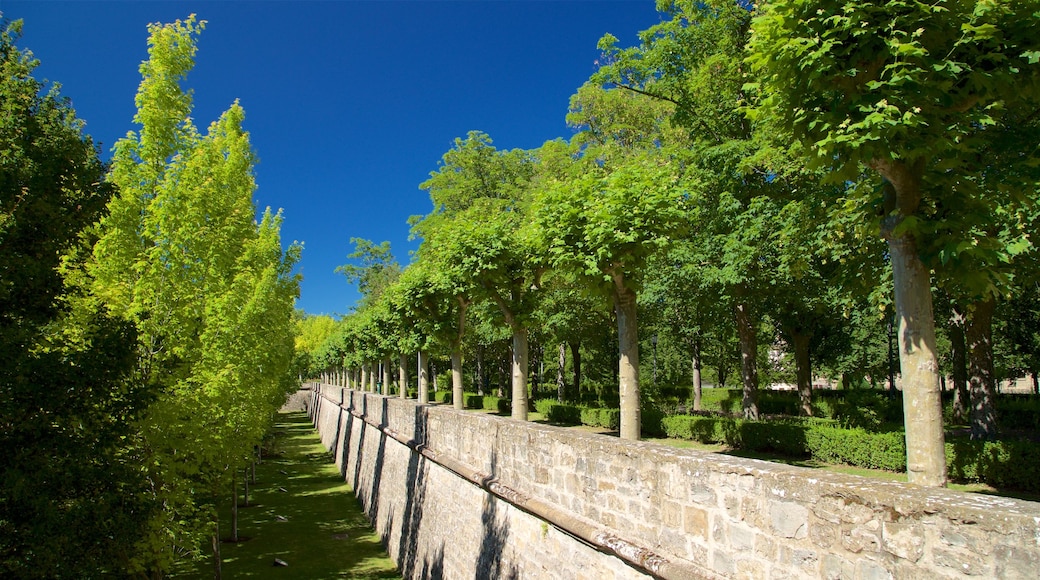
x=315 y=525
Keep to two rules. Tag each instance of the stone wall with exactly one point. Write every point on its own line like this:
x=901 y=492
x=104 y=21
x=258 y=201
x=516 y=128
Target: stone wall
x=470 y=495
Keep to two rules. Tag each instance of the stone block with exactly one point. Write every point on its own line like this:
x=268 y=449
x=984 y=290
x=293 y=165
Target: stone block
x=765 y=547
x=903 y=540
x=862 y=538
x=741 y=538
x=1014 y=562
x=702 y=494
x=695 y=522
x=789 y=520
x=823 y=534
x=751 y=569
x=671 y=514
x=959 y=560
x=722 y=563
x=834 y=567
x=871 y=570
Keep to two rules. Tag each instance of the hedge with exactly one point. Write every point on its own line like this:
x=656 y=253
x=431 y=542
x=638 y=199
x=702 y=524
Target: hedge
x=1001 y=464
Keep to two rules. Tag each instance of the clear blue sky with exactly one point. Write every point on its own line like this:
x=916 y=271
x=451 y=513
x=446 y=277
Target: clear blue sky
x=349 y=104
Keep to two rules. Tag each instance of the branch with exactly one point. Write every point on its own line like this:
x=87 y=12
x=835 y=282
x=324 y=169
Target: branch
x=678 y=104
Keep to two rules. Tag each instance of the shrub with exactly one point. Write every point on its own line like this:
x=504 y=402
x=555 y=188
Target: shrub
x=857 y=447
x=651 y=422
x=559 y=413
x=442 y=397
x=1002 y=464
x=500 y=405
x=600 y=417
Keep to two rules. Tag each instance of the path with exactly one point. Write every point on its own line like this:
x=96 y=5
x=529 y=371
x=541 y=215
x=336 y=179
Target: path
x=324 y=533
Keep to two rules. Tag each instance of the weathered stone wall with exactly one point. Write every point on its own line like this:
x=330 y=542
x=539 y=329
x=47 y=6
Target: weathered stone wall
x=462 y=494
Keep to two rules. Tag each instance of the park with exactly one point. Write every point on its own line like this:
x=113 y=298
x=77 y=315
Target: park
x=772 y=310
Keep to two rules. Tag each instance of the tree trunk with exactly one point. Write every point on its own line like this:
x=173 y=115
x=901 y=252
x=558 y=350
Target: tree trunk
x=697 y=386
x=958 y=359
x=520 y=369
x=234 y=505
x=386 y=376
x=216 y=549
x=892 y=343
x=922 y=404
x=576 y=364
x=373 y=376
x=481 y=371
x=748 y=359
x=245 y=487
x=978 y=333
x=1036 y=384
x=803 y=371
x=424 y=377
x=364 y=377
x=532 y=357
x=628 y=359
x=402 y=375
x=561 y=368
x=456 y=377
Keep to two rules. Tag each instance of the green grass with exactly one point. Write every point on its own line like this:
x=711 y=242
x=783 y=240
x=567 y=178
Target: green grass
x=319 y=507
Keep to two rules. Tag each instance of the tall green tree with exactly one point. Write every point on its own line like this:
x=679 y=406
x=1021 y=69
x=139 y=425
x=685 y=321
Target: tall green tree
x=902 y=89
x=182 y=257
x=602 y=226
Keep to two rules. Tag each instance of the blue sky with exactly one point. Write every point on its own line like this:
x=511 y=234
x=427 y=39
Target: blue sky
x=349 y=104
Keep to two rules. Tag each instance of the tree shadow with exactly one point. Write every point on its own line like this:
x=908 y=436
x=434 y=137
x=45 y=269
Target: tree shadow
x=432 y=569
x=496 y=534
x=416 y=479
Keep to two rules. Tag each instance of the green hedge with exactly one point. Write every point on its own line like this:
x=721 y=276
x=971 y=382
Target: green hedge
x=442 y=396
x=558 y=413
x=1011 y=465
x=1002 y=464
x=599 y=417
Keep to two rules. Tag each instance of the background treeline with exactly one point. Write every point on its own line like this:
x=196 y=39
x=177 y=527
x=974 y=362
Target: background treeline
x=753 y=194
x=146 y=324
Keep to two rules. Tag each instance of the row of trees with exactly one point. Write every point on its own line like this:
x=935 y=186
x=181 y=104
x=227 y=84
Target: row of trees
x=147 y=324
x=733 y=172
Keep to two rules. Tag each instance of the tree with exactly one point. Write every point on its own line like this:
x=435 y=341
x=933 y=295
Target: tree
x=694 y=63
x=602 y=226
x=182 y=257
x=377 y=270
x=902 y=88
x=480 y=198
x=72 y=497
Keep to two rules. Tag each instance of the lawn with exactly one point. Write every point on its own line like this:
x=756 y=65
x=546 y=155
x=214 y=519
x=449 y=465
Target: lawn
x=324 y=533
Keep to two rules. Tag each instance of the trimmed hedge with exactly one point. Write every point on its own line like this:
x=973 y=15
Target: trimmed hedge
x=598 y=417
x=442 y=397
x=558 y=413
x=1002 y=464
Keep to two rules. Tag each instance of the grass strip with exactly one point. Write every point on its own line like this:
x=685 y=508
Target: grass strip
x=316 y=525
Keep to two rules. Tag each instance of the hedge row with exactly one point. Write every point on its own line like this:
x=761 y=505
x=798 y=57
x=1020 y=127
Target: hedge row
x=487 y=402
x=1002 y=464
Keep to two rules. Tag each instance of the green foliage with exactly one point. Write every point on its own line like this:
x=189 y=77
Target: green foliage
x=73 y=496
x=558 y=413
x=858 y=447
x=861 y=80
x=377 y=270
x=442 y=397
x=1002 y=464
x=607 y=418
x=183 y=258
